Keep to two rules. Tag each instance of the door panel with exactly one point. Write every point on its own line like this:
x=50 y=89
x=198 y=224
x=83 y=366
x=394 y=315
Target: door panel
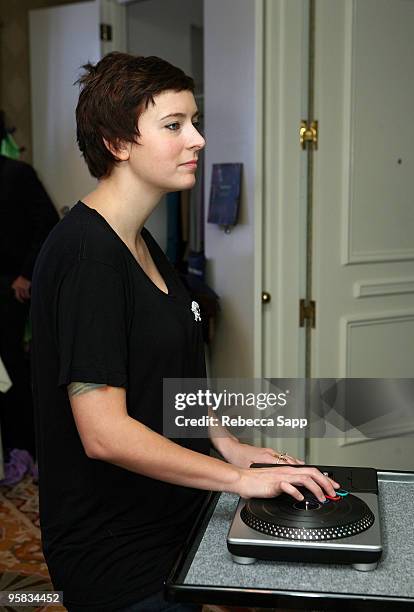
x=364 y=215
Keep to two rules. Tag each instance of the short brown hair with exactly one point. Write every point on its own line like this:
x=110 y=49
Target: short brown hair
x=114 y=92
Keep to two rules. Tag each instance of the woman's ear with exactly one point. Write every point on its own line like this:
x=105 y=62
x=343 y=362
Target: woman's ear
x=121 y=151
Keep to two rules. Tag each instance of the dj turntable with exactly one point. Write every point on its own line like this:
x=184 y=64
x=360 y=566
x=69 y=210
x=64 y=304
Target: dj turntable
x=344 y=529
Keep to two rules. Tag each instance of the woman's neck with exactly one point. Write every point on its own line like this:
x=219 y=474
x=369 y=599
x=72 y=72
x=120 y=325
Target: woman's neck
x=125 y=207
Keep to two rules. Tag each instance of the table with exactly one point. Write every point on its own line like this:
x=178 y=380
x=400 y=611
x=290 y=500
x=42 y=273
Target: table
x=205 y=572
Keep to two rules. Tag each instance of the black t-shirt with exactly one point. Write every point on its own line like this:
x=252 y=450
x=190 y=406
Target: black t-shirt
x=110 y=536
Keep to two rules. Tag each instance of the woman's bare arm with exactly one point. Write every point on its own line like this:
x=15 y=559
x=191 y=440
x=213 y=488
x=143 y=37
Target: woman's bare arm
x=109 y=434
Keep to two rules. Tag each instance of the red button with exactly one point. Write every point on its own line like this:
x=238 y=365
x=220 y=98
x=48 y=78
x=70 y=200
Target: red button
x=333 y=498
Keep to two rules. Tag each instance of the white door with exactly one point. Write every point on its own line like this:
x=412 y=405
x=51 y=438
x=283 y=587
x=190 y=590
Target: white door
x=62 y=39
x=363 y=226
x=363 y=256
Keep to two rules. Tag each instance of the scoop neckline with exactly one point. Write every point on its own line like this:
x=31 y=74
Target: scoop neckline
x=145 y=235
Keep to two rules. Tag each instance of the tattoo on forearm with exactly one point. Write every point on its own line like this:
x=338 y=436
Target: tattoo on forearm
x=76 y=388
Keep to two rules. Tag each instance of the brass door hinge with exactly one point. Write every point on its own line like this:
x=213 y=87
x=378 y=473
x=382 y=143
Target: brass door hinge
x=307 y=312
x=309 y=134
x=106 y=32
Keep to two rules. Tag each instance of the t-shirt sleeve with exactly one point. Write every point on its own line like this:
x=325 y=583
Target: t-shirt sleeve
x=92 y=326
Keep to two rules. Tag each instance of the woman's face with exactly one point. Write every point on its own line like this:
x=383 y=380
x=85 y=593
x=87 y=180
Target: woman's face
x=169 y=138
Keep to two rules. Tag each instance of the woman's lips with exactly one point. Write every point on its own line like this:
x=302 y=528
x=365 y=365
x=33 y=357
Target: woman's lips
x=190 y=164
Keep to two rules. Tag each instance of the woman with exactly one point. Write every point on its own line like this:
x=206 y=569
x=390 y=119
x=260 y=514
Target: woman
x=110 y=321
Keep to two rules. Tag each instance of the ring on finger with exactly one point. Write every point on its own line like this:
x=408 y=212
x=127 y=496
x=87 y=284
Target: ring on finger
x=281 y=457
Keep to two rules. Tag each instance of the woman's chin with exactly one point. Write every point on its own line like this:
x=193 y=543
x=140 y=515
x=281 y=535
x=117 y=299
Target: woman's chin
x=188 y=183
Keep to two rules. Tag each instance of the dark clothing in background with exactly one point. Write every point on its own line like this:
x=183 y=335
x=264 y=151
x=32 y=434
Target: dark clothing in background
x=16 y=406
x=110 y=536
x=26 y=217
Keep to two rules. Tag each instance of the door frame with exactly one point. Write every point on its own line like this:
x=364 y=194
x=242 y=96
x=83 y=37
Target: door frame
x=284 y=194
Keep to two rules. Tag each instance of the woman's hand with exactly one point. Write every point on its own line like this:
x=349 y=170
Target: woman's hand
x=243 y=455
x=270 y=482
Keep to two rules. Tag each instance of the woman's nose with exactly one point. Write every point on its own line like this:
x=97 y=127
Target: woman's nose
x=199 y=141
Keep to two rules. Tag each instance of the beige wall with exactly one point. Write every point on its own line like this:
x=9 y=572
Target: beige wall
x=15 y=66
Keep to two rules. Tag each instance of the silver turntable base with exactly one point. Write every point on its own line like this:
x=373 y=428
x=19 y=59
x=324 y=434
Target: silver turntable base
x=362 y=551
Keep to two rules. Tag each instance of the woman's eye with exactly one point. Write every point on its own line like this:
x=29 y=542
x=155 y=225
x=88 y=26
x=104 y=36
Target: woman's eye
x=171 y=127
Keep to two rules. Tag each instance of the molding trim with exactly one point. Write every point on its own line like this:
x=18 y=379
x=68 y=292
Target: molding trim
x=347 y=323
x=348 y=256
x=383 y=287
x=391 y=432
x=348 y=132
x=260 y=42
x=377 y=256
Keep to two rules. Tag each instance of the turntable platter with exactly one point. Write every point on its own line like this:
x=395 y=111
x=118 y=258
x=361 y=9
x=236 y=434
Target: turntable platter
x=311 y=520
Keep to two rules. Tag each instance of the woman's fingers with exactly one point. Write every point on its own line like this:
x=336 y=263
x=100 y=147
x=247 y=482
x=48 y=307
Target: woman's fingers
x=310 y=477
x=286 y=487
x=280 y=458
x=309 y=483
x=271 y=481
x=294 y=460
x=321 y=481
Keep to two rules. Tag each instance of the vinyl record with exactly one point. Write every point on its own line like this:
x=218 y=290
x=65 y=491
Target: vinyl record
x=311 y=520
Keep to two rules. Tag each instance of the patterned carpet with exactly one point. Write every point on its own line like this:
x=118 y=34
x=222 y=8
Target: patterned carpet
x=22 y=565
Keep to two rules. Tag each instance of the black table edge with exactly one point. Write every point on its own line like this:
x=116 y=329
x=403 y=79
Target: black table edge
x=176 y=590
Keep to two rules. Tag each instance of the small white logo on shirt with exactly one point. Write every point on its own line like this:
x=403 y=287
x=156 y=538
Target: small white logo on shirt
x=195 y=308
